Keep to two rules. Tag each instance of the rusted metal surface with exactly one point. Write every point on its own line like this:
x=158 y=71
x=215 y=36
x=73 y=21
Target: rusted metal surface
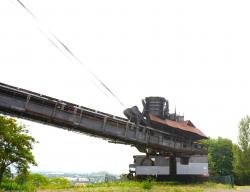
x=178 y=125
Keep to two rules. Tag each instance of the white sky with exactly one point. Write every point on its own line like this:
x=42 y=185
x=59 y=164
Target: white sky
x=194 y=53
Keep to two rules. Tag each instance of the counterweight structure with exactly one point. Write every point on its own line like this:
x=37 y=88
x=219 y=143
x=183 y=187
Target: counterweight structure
x=155 y=131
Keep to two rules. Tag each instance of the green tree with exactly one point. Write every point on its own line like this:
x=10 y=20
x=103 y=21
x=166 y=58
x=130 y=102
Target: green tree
x=220 y=156
x=242 y=153
x=244 y=133
x=15 y=146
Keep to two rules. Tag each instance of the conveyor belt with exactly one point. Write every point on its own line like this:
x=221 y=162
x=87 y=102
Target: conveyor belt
x=29 y=105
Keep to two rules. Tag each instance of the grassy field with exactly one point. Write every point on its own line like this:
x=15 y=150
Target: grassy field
x=150 y=186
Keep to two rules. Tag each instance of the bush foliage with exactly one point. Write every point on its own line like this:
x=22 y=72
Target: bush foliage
x=31 y=182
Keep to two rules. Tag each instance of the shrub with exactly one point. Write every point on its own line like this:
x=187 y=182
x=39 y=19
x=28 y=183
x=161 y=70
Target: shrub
x=38 y=180
x=59 y=182
x=147 y=184
x=12 y=185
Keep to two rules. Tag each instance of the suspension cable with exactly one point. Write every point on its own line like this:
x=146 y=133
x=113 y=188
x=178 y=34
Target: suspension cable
x=69 y=52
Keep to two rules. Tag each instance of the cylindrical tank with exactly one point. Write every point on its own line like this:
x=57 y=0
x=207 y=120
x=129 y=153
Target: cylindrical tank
x=157 y=106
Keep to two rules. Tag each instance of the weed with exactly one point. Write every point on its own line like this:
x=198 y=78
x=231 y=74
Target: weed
x=147 y=184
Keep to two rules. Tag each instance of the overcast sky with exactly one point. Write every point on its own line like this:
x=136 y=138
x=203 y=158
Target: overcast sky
x=194 y=53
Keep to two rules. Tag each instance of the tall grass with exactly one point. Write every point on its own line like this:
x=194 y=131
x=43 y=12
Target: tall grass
x=152 y=186
x=36 y=183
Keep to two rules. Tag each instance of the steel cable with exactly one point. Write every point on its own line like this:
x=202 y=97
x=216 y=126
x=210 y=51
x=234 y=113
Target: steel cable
x=70 y=52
